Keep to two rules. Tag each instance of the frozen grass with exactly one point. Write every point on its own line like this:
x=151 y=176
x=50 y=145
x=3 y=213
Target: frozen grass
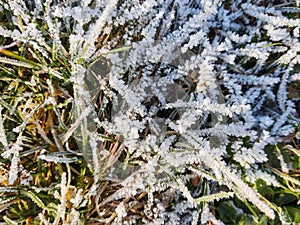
x=195 y=120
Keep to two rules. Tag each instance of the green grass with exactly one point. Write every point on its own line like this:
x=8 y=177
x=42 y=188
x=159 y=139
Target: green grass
x=26 y=81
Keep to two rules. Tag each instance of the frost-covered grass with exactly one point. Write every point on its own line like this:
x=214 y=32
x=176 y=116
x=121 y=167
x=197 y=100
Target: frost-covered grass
x=149 y=112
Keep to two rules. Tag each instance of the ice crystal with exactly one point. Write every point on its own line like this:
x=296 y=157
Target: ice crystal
x=200 y=89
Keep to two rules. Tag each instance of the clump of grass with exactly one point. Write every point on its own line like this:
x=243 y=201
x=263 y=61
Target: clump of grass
x=46 y=179
x=37 y=97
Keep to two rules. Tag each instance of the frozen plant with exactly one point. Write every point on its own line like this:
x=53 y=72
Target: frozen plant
x=171 y=103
